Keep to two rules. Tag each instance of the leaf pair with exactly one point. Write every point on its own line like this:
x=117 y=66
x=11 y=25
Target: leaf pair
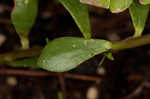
x=138 y=12
x=25 y=11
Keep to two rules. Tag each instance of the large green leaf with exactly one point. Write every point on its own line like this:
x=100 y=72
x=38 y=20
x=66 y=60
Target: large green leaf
x=66 y=53
x=79 y=12
x=98 y=3
x=144 y=2
x=23 y=15
x=139 y=15
x=117 y=6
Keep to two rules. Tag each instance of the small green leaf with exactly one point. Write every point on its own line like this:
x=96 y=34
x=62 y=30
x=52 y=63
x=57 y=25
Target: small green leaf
x=117 y=6
x=110 y=56
x=139 y=15
x=79 y=12
x=144 y=2
x=29 y=62
x=24 y=15
x=98 y=3
x=66 y=53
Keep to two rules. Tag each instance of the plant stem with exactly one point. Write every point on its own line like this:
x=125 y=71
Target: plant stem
x=10 y=56
x=36 y=51
x=24 y=42
x=102 y=60
x=131 y=43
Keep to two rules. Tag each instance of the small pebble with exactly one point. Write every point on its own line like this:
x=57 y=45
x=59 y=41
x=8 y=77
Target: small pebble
x=2 y=39
x=113 y=37
x=92 y=93
x=101 y=70
x=12 y=81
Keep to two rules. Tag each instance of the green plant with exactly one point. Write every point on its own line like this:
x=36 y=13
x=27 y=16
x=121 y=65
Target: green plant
x=66 y=53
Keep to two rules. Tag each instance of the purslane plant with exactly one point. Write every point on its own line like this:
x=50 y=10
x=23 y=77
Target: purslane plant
x=66 y=53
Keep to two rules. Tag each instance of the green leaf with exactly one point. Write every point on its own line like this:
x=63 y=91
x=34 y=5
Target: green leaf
x=24 y=15
x=79 y=12
x=144 y=2
x=117 y=6
x=60 y=95
x=29 y=62
x=66 y=53
x=139 y=15
x=98 y=3
x=109 y=56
